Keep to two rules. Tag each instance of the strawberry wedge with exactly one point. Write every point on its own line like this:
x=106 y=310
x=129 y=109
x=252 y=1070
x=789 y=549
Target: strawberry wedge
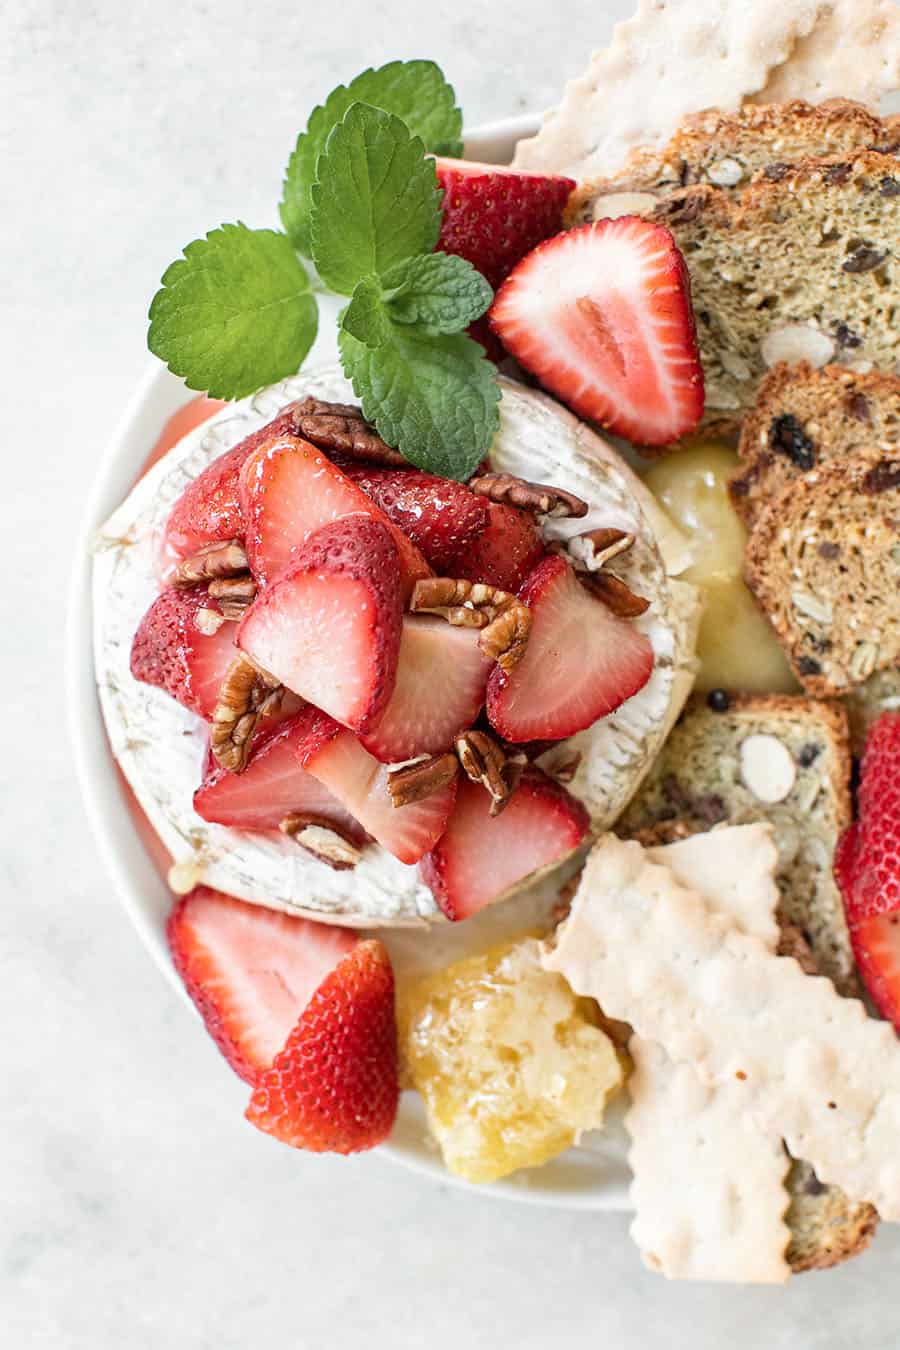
x=482 y=857
x=581 y=662
x=329 y=629
x=442 y=675
x=209 y=509
x=441 y=517
x=250 y=971
x=272 y=786
x=359 y=781
x=184 y=646
x=504 y=552
x=289 y=489
x=335 y=1085
x=602 y=316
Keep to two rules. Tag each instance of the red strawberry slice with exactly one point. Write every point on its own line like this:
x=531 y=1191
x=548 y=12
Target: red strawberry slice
x=334 y=1087
x=441 y=517
x=209 y=509
x=482 y=857
x=581 y=661
x=272 y=786
x=359 y=781
x=442 y=675
x=329 y=629
x=493 y=215
x=505 y=551
x=602 y=316
x=192 y=414
x=876 y=946
x=289 y=489
x=178 y=648
x=250 y=971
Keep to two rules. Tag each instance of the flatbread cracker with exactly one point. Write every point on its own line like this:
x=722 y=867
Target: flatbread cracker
x=852 y=52
x=708 y=1188
x=812 y=1065
x=673 y=58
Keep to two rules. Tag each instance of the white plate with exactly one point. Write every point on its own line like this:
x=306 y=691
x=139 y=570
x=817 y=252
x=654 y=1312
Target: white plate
x=594 y=1177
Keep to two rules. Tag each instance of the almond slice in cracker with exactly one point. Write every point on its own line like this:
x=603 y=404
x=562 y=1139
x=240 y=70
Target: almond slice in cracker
x=812 y=1066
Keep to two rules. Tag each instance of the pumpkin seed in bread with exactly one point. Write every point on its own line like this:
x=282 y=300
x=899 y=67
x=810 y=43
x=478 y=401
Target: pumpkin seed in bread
x=823 y=561
x=726 y=149
x=771 y=757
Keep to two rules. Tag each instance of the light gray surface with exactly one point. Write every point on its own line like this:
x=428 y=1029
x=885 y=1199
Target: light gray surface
x=138 y=1210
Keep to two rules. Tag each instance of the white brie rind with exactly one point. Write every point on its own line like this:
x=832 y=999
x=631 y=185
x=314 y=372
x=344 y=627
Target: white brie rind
x=160 y=745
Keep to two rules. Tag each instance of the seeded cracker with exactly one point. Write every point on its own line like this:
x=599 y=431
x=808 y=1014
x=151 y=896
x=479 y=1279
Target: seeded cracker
x=853 y=52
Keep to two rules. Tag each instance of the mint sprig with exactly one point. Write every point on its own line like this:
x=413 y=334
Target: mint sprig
x=414 y=91
x=237 y=311
x=376 y=200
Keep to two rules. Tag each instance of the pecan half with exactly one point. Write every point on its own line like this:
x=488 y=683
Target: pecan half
x=504 y=620
x=321 y=838
x=212 y=562
x=487 y=762
x=247 y=693
x=506 y=489
x=342 y=428
x=422 y=779
x=234 y=594
x=607 y=543
x=618 y=598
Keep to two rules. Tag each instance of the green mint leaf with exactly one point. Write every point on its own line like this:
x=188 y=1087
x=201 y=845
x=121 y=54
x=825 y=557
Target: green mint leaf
x=366 y=318
x=414 y=91
x=235 y=313
x=439 y=292
x=376 y=201
x=434 y=398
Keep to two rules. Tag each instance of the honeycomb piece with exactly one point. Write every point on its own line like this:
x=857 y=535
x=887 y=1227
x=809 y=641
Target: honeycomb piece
x=512 y=1065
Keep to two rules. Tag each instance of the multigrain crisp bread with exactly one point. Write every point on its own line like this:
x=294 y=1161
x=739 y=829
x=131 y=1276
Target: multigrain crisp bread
x=672 y=58
x=852 y=52
x=708 y=1186
x=812 y=1065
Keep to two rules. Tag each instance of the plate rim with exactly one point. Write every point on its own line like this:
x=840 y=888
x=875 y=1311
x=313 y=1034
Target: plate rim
x=121 y=850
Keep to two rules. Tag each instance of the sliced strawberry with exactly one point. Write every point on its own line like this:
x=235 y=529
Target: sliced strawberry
x=334 y=1087
x=876 y=946
x=442 y=675
x=493 y=216
x=329 y=629
x=250 y=971
x=505 y=551
x=359 y=781
x=581 y=661
x=175 y=650
x=272 y=786
x=441 y=517
x=209 y=509
x=482 y=857
x=289 y=489
x=602 y=316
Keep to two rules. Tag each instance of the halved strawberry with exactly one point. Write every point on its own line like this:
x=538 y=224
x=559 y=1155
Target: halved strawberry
x=289 y=489
x=334 y=1087
x=359 y=781
x=481 y=857
x=250 y=971
x=272 y=786
x=581 y=661
x=329 y=629
x=504 y=552
x=442 y=674
x=178 y=648
x=441 y=517
x=209 y=509
x=602 y=316
x=493 y=216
